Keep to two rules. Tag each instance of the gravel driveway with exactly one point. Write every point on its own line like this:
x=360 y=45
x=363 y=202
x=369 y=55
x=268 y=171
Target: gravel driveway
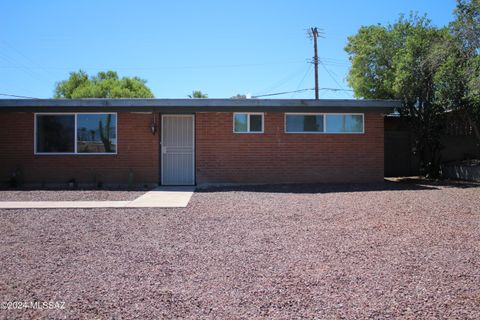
x=327 y=252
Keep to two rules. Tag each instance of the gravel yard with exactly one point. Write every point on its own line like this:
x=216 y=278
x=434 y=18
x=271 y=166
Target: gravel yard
x=393 y=250
x=69 y=195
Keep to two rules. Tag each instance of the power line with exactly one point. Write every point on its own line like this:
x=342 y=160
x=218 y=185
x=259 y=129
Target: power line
x=166 y=67
x=282 y=81
x=304 y=76
x=300 y=90
x=253 y=97
x=326 y=61
x=25 y=68
x=330 y=74
x=279 y=93
x=17 y=96
x=8 y=45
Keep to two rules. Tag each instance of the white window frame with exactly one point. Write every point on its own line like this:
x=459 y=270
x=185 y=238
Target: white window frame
x=75 y=151
x=248 y=122
x=324 y=122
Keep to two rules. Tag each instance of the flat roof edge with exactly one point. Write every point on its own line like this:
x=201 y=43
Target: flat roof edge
x=197 y=109
x=193 y=105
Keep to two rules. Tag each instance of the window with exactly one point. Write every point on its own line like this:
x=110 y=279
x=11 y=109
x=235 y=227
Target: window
x=81 y=133
x=304 y=123
x=248 y=122
x=323 y=123
x=344 y=123
x=55 y=134
x=96 y=133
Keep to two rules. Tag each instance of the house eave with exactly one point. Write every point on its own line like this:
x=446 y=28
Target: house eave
x=197 y=105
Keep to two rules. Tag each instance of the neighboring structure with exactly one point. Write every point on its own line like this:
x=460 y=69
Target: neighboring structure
x=192 y=141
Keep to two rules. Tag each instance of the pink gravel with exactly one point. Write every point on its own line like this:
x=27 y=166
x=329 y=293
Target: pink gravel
x=69 y=195
x=281 y=252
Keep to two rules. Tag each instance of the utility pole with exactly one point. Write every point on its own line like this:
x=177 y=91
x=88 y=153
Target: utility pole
x=314 y=33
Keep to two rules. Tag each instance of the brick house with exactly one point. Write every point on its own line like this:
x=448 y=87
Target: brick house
x=192 y=141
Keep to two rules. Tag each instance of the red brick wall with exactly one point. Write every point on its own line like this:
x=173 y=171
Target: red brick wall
x=138 y=150
x=221 y=155
x=275 y=157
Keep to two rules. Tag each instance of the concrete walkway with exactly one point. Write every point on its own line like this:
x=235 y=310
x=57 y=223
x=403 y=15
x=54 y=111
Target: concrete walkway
x=161 y=197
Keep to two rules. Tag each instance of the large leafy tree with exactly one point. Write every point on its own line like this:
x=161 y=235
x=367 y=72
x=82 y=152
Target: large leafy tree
x=462 y=73
x=400 y=61
x=103 y=85
x=466 y=26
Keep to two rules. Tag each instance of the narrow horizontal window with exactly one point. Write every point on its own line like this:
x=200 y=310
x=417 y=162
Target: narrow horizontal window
x=96 y=133
x=248 y=122
x=344 y=123
x=304 y=123
x=55 y=133
x=80 y=133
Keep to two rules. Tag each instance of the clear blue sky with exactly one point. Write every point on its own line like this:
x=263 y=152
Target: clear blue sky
x=220 y=47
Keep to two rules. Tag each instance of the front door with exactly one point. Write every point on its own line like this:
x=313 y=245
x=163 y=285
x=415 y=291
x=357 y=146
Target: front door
x=178 y=150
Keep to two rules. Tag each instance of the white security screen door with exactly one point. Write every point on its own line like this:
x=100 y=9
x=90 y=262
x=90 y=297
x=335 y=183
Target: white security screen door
x=178 y=150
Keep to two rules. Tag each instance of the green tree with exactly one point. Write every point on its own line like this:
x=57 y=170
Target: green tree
x=400 y=61
x=463 y=71
x=466 y=26
x=103 y=85
x=197 y=94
